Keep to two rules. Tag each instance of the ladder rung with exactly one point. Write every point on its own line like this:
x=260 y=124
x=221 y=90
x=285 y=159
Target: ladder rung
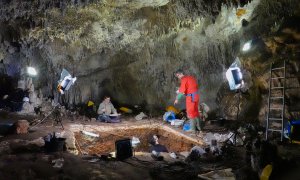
x=276 y=119
x=293 y=87
x=280 y=87
x=292 y=77
x=277 y=68
x=280 y=97
x=278 y=130
x=276 y=108
x=277 y=78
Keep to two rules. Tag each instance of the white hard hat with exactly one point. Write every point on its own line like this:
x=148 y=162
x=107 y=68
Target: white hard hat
x=25 y=99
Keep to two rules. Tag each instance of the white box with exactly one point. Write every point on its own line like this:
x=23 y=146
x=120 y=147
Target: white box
x=177 y=122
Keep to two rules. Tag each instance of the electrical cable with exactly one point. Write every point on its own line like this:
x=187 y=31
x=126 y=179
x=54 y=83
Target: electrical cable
x=44 y=117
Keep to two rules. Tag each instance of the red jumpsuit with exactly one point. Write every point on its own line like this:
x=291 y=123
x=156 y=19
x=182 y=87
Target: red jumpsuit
x=189 y=87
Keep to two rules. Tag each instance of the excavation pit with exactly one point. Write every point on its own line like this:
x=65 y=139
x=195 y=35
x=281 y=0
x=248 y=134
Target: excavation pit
x=105 y=143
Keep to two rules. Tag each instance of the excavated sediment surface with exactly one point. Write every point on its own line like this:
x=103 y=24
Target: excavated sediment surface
x=174 y=140
x=106 y=142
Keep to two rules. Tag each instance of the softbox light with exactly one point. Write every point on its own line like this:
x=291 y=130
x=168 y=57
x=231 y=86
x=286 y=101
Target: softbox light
x=234 y=76
x=65 y=81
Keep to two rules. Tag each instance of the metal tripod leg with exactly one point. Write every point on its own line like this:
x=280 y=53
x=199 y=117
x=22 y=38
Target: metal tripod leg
x=234 y=135
x=59 y=120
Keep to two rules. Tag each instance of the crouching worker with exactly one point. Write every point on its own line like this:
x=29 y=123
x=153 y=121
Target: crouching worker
x=203 y=110
x=107 y=112
x=157 y=148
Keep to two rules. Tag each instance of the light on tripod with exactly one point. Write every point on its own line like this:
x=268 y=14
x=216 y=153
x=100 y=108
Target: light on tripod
x=235 y=78
x=65 y=81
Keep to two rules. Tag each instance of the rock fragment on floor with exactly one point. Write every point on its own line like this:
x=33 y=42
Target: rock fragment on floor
x=70 y=141
x=21 y=127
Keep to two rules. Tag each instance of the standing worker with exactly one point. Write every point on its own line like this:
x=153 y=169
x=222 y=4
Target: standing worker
x=189 y=88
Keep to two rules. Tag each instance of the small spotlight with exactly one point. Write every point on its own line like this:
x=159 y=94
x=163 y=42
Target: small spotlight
x=31 y=71
x=247 y=46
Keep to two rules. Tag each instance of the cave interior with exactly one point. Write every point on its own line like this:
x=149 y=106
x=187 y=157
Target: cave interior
x=244 y=55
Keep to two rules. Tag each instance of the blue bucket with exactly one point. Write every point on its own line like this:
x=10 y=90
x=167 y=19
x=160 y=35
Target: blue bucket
x=186 y=127
x=169 y=116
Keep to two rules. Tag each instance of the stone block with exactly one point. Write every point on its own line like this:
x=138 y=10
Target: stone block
x=70 y=141
x=21 y=127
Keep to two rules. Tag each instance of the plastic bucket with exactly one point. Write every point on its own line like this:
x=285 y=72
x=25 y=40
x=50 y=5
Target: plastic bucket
x=186 y=127
x=55 y=145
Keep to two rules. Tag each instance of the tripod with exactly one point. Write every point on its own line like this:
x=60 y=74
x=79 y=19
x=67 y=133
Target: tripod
x=236 y=134
x=57 y=117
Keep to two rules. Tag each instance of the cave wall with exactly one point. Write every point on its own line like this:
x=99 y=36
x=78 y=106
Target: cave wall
x=130 y=50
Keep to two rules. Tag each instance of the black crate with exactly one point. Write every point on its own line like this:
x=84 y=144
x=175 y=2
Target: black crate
x=123 y=149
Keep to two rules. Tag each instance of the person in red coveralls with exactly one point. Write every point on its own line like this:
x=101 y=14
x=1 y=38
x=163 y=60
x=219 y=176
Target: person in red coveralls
x=189 y=88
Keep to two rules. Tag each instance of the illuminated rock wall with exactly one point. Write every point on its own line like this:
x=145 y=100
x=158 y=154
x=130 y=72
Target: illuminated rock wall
x=130 y=49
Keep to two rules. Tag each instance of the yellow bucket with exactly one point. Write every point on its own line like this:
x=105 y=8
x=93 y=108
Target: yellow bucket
x=173 y=109
x=126 y=110
x=90 y=103
x=266 y=172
